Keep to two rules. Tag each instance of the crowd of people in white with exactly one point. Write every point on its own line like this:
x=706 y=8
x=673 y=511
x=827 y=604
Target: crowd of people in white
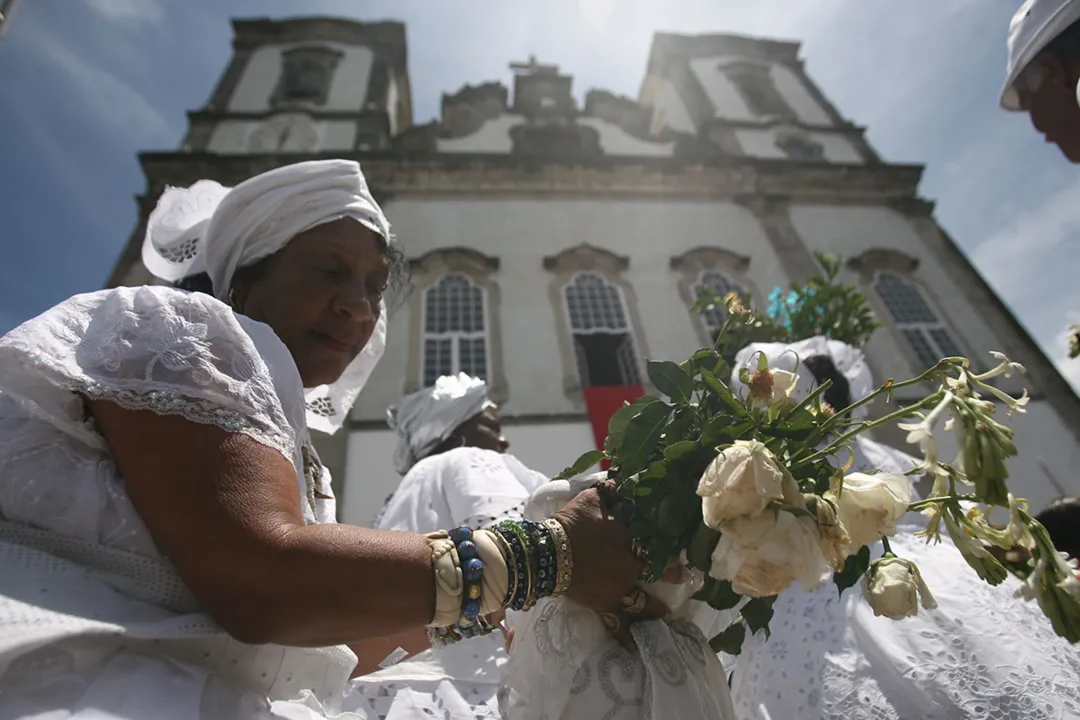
x=169 y=549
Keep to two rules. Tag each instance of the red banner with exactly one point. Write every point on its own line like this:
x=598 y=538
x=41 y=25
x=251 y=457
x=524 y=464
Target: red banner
x=602 y=402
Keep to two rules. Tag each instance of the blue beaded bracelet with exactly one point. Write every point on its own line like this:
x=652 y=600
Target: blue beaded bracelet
x=472 y=572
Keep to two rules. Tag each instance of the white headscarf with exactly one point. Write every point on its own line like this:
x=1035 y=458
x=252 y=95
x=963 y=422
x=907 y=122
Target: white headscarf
x=424 y=419
x=214 y=229
x=849 y=361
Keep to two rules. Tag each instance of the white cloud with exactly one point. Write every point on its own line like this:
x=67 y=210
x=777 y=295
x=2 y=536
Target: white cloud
x=130 y=11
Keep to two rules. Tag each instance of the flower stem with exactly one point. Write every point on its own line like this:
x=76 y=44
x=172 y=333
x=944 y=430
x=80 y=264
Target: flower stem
x=892 y=386
x=916 y=506
x=886 y=546
x=863 y=427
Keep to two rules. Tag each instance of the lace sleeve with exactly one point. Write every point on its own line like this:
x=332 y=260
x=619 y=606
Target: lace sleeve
x=144 y=348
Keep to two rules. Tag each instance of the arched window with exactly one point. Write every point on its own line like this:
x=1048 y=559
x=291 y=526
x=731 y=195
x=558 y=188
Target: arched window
x=455 y=334
x=603 y=344
x=915 y=319
x=718 y=283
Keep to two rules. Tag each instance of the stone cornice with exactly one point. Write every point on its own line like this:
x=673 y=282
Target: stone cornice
x=614 y=177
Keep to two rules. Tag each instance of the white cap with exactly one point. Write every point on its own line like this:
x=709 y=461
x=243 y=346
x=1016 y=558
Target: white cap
x=1033 y=27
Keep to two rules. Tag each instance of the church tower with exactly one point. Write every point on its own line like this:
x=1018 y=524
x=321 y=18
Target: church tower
x=293 y=90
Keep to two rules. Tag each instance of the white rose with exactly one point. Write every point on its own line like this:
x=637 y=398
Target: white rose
x=740 y=481
x=772 y=388
x=869 y=505
x=835 y=543
x=763 y=555
x=893 y=586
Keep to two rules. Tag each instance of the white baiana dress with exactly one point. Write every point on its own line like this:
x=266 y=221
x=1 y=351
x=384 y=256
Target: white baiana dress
x=94 y=622
x=982 y=654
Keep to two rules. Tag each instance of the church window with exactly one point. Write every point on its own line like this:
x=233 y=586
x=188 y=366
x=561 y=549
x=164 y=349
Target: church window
x=306 y=74
x=800 y=147
x=603 y=344
x=717 y=283
x=455 y=331
x=755 y=84
x=924 y=331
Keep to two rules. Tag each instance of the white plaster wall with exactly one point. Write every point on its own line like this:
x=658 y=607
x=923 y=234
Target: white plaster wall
x=521 y=232
x=391 y=104
x=616 y=141
x=728 y=103
x=492 y=137
x=260 y=77
x=234 y=136
x=673 y=109
x=370 y=476
x=850 y=231
x=761 y=142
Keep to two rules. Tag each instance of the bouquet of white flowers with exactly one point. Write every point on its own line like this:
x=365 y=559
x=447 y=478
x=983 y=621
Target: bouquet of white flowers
x=746 y=488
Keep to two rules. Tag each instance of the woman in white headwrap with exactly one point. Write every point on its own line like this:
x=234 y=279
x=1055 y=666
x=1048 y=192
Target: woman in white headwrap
x=167 y=544
x=982 y=653
x=452 y=454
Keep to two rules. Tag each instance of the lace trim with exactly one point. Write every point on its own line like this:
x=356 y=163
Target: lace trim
x=160 y=402
x=203 y=412
x=480 y=521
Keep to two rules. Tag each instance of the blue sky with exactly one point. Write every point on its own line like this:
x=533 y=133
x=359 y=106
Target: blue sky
x=86 y=85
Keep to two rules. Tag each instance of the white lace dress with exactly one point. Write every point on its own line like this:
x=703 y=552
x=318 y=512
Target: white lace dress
x=94 y=622
x=982 y=654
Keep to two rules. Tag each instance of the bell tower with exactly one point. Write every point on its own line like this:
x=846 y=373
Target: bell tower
x=293 y=90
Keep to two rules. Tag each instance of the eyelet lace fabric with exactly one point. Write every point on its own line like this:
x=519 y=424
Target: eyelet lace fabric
x=983 y=654
x=115 y=628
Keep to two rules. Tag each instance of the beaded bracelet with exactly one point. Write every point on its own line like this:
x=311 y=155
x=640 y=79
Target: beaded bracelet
x=515 y=537
x=564 y=558
x=543 y=557
x=472 y=572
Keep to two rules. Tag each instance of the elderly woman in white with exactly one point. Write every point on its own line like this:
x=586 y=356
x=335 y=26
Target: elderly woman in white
x=167 y=537
x=982 y=653
x=451 y=452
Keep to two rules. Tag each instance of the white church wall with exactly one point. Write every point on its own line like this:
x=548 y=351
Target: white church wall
x=521 y=232
x=347 y=89
x=492 y=137
x=851 y=230
x=670 y=110
x=729 y=104
x=370 y=476
x=616 y=141
x=236 y=136
x=761 y=142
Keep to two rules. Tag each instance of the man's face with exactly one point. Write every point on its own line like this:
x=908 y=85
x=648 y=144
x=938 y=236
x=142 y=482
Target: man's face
x=1047 y=90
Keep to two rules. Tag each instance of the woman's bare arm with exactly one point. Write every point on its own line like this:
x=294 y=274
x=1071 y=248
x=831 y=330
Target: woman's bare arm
x=225 y=509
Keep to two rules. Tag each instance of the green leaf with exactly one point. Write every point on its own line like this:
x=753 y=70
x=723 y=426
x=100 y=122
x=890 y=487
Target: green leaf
x=671 y=380
x=583 y=463
x=677 y=449
x=642 y=435
x=723 y=392
x=643 y=491
x=854 y=568
x=730 y=641
x=757 y=613
x=617 y=428
x=699 y=552
x=703 y=359
x=718 y=594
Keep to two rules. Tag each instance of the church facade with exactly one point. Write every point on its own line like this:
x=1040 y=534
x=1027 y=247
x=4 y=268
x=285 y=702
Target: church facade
x=554 y=245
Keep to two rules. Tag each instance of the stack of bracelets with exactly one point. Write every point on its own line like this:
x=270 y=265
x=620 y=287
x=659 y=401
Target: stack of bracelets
x=538 y=562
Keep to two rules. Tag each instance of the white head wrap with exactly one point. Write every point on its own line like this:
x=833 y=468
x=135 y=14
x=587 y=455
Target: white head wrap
x=424 y=419
x=849 y=361
x=214 y=229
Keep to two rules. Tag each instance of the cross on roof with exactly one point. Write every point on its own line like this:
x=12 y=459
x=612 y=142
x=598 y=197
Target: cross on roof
x=534 y=68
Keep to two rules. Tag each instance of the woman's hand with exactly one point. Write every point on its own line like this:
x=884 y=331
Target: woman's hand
x=605 y=569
